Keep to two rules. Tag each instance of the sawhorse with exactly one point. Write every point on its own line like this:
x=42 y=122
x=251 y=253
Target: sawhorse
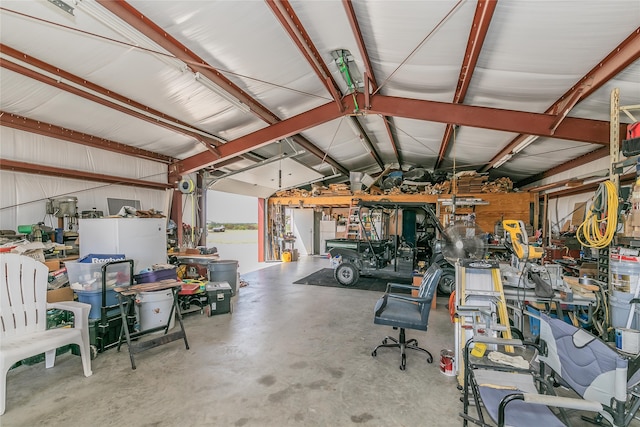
x=127 y=296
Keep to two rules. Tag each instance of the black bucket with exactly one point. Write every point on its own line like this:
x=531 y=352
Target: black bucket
x=224 y=271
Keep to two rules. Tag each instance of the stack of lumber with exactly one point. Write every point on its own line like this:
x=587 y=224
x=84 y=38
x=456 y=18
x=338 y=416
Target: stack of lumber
x=337 y=190
x=293 y=192
x=471 y=184
x=394 y=190
x=441 y=188
x=500 y=185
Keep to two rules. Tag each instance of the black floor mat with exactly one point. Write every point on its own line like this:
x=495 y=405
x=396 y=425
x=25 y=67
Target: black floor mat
x=324 y=277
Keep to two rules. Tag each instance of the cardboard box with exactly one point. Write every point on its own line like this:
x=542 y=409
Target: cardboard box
x=62 y=294
x=53 y=264
x=417 y=280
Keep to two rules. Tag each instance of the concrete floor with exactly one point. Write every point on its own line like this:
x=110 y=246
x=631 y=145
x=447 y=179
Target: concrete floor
x=287 y=355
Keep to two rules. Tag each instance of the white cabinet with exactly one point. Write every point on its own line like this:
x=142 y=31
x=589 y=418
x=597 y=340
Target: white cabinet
x=327 y=231
x=142 y=239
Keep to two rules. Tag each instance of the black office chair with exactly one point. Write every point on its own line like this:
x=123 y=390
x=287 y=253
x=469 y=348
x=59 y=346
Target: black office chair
x=406 y=312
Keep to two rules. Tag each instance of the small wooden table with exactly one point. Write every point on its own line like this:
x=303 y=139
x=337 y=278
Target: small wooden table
x=127 y=296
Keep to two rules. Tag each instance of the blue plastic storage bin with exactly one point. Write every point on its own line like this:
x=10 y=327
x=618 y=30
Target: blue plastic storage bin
x=95 y=299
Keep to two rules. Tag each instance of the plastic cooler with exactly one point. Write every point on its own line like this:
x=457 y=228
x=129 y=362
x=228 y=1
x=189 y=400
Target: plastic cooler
x=224 y=271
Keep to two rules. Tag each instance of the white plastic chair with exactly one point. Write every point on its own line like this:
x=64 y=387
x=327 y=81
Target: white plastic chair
x=23 y=318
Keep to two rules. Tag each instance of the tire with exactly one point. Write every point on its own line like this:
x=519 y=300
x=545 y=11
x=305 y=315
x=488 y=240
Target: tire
x=515 y=333
x=346 y=274
x=447 y=283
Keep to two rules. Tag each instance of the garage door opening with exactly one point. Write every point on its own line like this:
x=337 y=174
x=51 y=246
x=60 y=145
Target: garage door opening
x=232 y=227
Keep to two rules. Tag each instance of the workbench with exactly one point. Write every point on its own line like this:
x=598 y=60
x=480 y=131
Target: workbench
x=127 y=296
x=518 y=298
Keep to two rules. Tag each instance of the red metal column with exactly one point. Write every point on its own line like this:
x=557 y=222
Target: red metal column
x=262 y=231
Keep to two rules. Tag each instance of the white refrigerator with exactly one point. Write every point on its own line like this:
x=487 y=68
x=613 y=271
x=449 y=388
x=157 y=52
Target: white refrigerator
x=327 y=231
x=142 y=239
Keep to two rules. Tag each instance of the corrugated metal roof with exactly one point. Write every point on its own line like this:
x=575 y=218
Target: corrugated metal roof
x=534 y=52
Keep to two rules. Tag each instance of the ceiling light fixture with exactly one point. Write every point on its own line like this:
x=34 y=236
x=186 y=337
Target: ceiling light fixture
x=525 y=143
x=99 y=13
x=62 y=5
x=223 y=93
x=502 y=160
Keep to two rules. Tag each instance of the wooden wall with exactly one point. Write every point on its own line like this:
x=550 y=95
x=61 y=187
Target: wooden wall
x=519 y=206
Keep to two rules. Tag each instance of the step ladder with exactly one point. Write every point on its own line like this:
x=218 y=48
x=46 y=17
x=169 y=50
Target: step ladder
x=481 y=307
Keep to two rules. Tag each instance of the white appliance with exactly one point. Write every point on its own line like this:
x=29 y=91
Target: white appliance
x=327 y=231
x=142 y=239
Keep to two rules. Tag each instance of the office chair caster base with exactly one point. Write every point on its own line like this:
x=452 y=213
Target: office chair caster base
x=403 y=345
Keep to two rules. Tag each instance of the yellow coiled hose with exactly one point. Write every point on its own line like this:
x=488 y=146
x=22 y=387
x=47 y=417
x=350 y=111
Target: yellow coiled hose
x=600 y=225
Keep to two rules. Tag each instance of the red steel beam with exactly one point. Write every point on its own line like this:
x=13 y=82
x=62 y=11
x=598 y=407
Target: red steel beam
x=259 y=138
x=621 y=57
x=40 y=169
x=51 y=81
x=150 y=29
x=291 y=23
x=479 y=27
x=175 y=124
x=578 y=161
x=585 y=130
x=154 y=32
x=46 y=129
x=357 y=34
x=588 y=188
x=624 y=54
x=593 y=131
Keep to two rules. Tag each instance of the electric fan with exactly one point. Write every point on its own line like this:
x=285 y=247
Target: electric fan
x=463 y=241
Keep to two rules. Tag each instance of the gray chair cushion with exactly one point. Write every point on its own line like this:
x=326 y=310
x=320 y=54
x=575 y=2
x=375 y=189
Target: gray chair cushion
x=517 y=413
x=401 y=314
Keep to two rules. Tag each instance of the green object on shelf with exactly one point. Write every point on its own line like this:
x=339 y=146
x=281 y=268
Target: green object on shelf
x=25 y=229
